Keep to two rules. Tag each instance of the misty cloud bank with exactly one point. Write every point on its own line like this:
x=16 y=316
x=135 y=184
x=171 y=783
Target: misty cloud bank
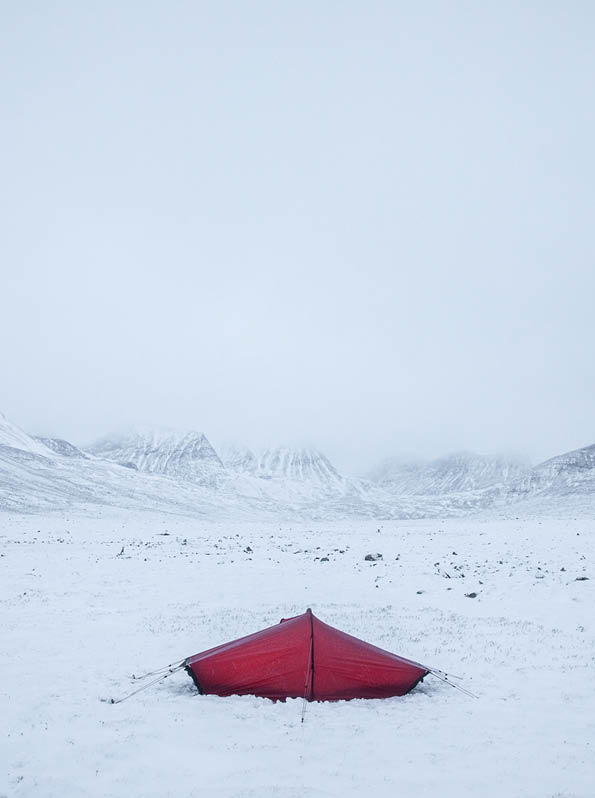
x=368 y=229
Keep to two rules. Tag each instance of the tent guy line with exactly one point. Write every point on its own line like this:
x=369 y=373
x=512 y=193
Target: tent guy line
x=144 y=687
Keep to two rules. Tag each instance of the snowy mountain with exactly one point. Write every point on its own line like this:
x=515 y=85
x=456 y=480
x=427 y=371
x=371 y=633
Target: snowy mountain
x=472 y=483
x=455 y=473
x=36 y=478
x=303 y=477
x=61 y=447
x=237 y=458
x=182 y=473
x=15 y=438
x=177 y=473
x=304 y=482
x=186 y=456
x=569 y=473
x=302 y=464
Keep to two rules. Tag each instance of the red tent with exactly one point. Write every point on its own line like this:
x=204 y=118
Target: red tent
x=303 y=657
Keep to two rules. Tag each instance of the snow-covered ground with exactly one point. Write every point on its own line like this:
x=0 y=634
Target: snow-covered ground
x=78 y=617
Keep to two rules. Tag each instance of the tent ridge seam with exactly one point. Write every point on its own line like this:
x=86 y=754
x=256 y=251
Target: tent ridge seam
x=311 y=654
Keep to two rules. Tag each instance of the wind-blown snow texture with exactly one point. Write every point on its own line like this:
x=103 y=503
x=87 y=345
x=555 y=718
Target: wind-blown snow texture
x=87 y=602
x=182 y=473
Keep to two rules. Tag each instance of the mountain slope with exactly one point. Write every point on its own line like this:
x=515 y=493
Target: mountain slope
x=237 y=458
x=454 y=473
x=61 y=447
x=569 y=473
x=302 y=464
x=16 y=438
x=185 y=456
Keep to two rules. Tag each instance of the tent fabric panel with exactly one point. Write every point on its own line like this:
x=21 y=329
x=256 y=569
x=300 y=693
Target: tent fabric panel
x=269 y=632
x=273 y=663
x=346 y=667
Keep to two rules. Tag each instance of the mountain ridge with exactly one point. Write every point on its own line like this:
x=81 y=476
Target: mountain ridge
x=184 y=455
x=182 y=472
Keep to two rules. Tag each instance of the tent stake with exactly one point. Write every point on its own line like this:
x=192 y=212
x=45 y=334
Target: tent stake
x=304 y=707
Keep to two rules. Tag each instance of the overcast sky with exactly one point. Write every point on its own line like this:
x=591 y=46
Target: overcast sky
x=363 y=225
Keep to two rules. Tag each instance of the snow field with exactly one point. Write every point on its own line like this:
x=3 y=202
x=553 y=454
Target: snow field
x=79 y=616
